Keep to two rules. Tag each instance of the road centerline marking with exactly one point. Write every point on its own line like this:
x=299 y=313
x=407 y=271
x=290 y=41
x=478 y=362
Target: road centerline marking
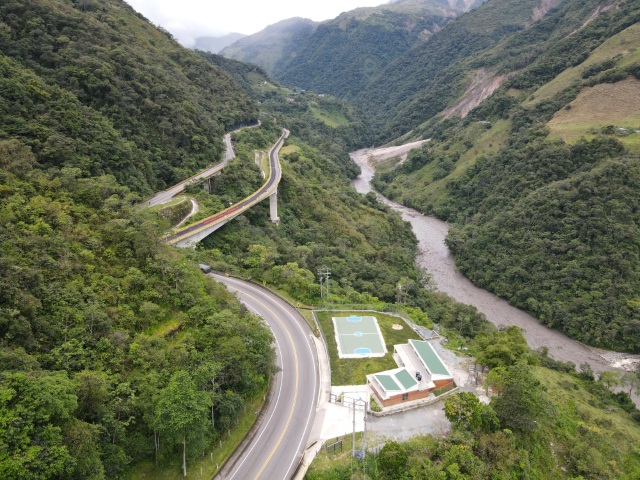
x=297 y=379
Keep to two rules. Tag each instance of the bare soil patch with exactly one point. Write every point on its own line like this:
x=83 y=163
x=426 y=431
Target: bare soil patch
x=482 y=85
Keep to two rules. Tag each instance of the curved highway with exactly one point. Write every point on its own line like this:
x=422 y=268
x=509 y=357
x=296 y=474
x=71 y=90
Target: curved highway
x=229 y=154
x=275 y=450
x=269 y=187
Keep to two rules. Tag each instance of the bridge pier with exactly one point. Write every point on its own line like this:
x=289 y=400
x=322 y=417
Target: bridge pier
x=273 y=207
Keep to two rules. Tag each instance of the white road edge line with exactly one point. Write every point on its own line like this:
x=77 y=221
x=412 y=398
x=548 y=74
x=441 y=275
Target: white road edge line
x=316 y=386
x=255 y=441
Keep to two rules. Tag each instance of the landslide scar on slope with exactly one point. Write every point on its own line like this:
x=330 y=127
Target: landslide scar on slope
x=482 y=85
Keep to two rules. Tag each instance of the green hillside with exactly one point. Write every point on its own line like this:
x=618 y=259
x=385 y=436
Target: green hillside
x=345 y=54
x=549 y=225
x=103 y=328
x=323 y=222
x=341 y=56
x=98 y=320
x=543 y=420
x=168 y=105
x=102 y=325
x=500 y=37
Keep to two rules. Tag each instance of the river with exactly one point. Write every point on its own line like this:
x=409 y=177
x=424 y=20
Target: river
x=435 y=257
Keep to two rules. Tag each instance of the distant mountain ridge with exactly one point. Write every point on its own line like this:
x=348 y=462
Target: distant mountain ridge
x=341 y=56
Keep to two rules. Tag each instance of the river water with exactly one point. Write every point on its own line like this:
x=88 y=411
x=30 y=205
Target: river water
x=435 y=257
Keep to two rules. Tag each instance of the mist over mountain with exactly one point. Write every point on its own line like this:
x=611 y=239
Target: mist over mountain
x=275 y=46
x=215 y=44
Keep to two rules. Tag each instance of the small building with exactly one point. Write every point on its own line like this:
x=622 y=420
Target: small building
x=420 y=371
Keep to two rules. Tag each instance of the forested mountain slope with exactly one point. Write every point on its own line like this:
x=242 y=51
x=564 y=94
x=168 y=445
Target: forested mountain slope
x=491 y=42
x=115 y=350
x=275 y=46
x=541 y=178
x=100 y=324
x=167 y=105
x=342 y=55
x=322 y=221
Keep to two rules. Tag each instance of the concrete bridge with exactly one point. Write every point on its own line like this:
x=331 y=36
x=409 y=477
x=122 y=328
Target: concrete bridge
x=191 y=234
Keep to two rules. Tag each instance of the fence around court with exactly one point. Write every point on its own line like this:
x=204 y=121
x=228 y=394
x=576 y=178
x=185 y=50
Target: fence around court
x=390 y=310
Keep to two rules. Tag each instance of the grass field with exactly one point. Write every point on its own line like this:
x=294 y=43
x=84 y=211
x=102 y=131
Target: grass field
x=353 y=371
x=265 y=166
x=174 y=202
x=175 y=210
x=625 y=45
x=326 y=462
x=570 y=394
x=615 y=104
x=333 y=119
x=287 y=149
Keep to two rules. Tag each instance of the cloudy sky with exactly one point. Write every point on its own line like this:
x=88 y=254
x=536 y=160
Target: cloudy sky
x=189 y=19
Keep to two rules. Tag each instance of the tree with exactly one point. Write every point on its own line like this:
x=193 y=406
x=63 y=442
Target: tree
x=586 y=371
x=260 y=258
x=494 y=379
x=392 y=460
x=182 y=413
x=81 y=439
x=498 y=449
x=92 y=389
x=631 y=380
x=205 y=377
x=502 y=348
x=610 y=379
x=464 y=410
x=523 y=401
x=16 y=157
x=33 y=407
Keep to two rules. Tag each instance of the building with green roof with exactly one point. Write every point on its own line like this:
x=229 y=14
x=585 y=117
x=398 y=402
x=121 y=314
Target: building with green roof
x=420 y=371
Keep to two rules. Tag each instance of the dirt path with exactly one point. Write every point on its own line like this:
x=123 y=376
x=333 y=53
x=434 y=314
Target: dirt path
x=195 y=208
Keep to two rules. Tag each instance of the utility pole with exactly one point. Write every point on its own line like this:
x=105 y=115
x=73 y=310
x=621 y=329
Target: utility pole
x=364 y=403
x=364 y=443
x=323 y=276
x=353 y=442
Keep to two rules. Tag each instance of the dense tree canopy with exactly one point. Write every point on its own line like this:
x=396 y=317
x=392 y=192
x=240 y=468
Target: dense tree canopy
x=112 y=75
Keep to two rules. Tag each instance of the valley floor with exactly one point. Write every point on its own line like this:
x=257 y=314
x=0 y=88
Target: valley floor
x=436 y=258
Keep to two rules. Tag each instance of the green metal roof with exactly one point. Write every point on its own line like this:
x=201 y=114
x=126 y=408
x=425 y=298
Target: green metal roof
x=429 y=357
x=388 y=382
x=406 y=379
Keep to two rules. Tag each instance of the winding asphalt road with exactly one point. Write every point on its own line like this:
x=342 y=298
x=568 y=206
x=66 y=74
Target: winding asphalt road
x=229 y=154
x=275 y=450
x=236 y=209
